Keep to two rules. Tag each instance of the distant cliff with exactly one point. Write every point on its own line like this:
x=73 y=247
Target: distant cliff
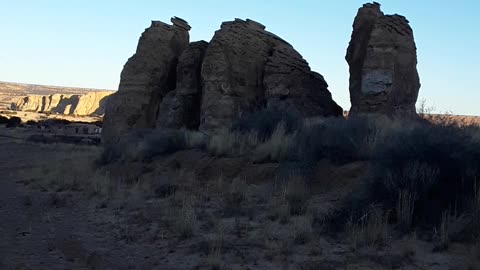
x=12 y=92
x=88 y=104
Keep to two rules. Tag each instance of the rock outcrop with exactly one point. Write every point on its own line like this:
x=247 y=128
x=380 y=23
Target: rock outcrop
x=207 y=86
x=146 y=78
x=382 y=59
x=88 y=104
x=247 y=68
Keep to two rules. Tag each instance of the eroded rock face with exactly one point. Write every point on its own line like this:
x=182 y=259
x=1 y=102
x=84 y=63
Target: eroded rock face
x=181 y=108
x=88 y=104
x=247 y=68
x=382 y=58
x=146 y=78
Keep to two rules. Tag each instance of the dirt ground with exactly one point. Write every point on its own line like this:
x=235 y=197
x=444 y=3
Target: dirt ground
x=66 y=225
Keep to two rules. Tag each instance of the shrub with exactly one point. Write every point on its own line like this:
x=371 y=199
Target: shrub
x=231 y=143
x=437 y=165
x=31 y=123
x=14 y=121
x=3 y=120
x=263 y=123
x=339 y=140
x=143 y=145
x=278 y=147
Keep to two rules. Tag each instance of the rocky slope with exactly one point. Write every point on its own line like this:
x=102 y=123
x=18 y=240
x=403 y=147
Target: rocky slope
x=382 y=58
x=170 y=82
x=91 y=103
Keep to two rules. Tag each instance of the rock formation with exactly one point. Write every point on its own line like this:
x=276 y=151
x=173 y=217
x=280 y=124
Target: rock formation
x=146 y=78
x=206 y=86
x=247 y=68
x=382 y=59
x=88 y=104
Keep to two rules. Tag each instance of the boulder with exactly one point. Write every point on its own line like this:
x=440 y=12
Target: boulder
x=146 y=78
x=382 y=58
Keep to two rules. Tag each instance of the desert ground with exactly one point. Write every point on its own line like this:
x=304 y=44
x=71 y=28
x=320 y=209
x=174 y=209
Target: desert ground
x=64 y=207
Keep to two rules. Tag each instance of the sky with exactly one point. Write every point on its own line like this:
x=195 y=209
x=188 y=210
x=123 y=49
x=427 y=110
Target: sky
x=85 y=43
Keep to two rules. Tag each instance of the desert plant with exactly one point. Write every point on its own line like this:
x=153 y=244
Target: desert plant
x=297 y=196
x=263 y=123
x=3 y=120
x=405 y=209
x=231 y=143
x=302 y=230
x=277 y=147
x=339 y=140
x=233 y=197
x=439 y=164
x=369 y=230
x=186 y=221
x=14 y=121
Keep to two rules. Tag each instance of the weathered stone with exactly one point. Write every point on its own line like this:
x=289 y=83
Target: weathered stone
x=146 y=78
x=88 y=104
x=382 y=58
x=181 y=108
x=247 y=68
x=290 y=84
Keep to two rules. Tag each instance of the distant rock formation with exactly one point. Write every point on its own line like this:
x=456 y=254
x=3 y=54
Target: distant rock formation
x=382 y=57
x=88 y=104
x=206 y=86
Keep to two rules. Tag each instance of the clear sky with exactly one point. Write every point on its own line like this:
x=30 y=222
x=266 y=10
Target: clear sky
x=85 y=43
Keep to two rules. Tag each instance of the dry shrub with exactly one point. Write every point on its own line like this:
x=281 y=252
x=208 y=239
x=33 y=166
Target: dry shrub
x=370 y=230
x=302 y=230
x=277 y=147
x=228 y=143
x=186 y=222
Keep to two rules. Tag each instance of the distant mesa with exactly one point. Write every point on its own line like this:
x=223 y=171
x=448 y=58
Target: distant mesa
x=88 y=104
x=383 y=64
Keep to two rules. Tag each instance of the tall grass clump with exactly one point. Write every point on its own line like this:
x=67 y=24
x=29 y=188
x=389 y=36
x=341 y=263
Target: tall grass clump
x=340 y=140
x=263 y=123
x=143 y=145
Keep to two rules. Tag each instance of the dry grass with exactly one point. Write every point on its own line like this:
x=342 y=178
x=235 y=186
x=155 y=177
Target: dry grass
x=405 y=209
x=231 y=143
x=277 y=147
x=370 y=230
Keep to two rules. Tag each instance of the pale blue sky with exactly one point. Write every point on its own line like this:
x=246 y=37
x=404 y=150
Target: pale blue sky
x=86 y=43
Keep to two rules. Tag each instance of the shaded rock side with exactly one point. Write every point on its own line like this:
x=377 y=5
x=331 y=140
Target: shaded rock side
x=88 y=104
x=181 y=108
x=146 y=78
x=382 y=58
x=291 y=85
x=247 y=68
